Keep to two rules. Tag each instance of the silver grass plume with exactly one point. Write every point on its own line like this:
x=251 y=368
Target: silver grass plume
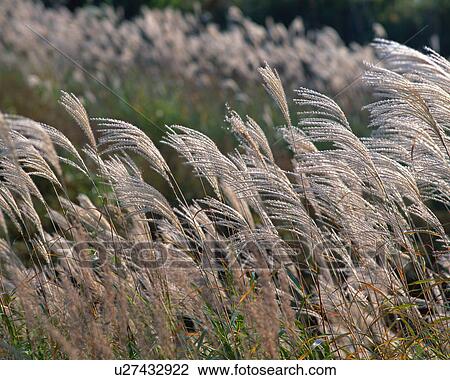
x=273 y=85
x=118 y=135
x=74 y=107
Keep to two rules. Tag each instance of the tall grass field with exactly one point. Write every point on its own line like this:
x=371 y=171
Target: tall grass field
x=303 y=239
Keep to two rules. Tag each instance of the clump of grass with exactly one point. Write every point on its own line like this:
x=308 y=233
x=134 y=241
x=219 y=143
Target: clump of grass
x=344 y=255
